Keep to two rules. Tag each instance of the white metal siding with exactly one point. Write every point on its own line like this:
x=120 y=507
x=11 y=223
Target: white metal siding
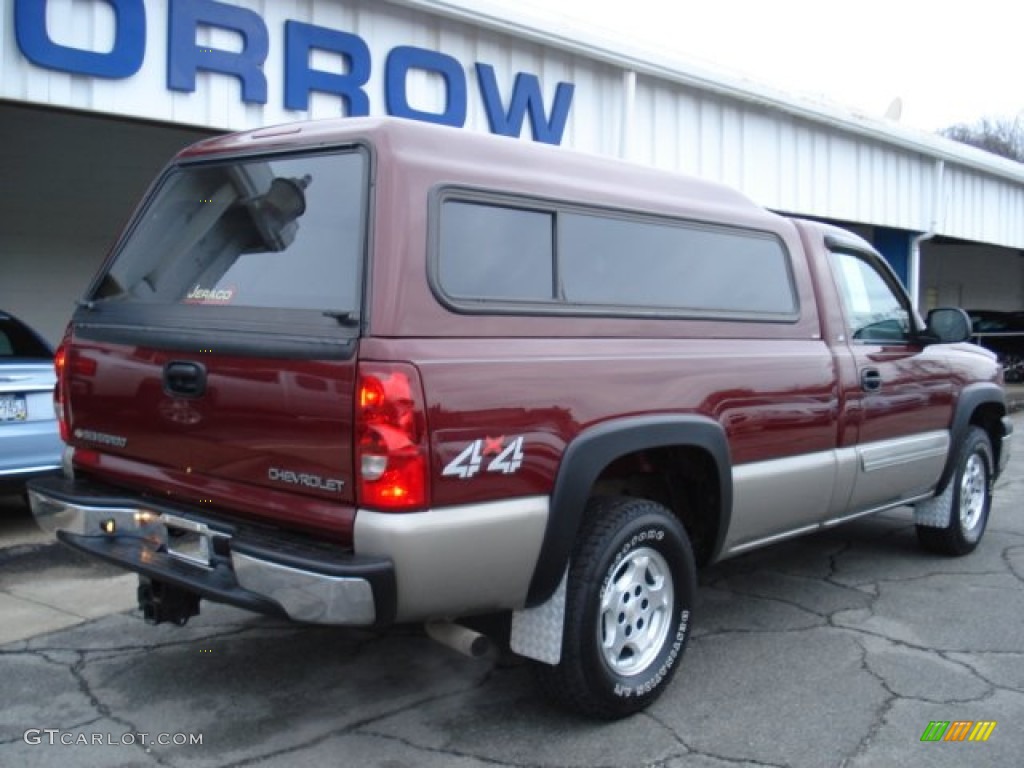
x=982 y=208
x=785 y=154
x=781 y=161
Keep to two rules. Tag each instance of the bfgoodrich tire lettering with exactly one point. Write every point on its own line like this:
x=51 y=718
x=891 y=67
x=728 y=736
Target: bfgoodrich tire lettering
x=972 y=499
x=628 y=611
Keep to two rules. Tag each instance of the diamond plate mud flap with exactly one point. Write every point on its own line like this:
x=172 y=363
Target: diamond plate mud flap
x=935 y=512
x=537 y=631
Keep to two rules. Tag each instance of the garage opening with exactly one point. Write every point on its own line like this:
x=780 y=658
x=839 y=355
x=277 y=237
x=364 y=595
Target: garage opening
x=70 y=182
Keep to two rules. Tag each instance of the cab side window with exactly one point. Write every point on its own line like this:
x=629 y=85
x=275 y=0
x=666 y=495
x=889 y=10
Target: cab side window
x=875 y=311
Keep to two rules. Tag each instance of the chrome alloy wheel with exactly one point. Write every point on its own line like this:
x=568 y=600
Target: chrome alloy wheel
x=635 y=615
x=973 y=490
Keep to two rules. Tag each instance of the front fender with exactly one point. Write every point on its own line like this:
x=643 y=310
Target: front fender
x=972 y=397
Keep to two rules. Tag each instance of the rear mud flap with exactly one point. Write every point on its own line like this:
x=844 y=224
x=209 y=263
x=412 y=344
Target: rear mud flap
x=537 y=632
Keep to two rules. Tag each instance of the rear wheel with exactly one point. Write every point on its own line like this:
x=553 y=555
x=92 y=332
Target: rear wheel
x=971 y=500
x=629 y=598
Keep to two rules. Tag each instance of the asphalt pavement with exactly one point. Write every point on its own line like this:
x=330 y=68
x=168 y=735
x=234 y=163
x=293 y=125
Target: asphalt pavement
x=838 y=649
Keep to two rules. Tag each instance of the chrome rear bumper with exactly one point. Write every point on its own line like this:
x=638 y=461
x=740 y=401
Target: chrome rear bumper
x=217 y=561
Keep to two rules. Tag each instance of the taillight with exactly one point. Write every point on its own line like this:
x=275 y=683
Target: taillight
x=392 y=460
x=60 y=360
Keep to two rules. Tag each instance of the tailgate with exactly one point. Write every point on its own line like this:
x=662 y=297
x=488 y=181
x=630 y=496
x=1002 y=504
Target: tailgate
x=215 y=429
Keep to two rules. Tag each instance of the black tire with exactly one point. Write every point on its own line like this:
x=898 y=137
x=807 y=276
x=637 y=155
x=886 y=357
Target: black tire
x=637 y=554
x=971 y=500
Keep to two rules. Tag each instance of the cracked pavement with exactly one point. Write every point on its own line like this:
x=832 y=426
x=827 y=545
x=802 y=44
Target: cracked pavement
x=831 y=650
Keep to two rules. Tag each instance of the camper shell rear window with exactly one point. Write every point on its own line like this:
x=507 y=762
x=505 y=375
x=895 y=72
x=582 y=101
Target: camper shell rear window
x=277 y=232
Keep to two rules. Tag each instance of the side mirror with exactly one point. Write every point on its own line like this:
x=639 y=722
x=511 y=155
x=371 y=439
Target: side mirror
x=949 y=325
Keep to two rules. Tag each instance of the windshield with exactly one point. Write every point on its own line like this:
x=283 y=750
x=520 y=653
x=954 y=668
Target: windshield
x=284 y=232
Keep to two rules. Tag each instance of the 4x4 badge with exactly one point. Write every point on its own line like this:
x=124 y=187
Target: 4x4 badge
x=504 y=456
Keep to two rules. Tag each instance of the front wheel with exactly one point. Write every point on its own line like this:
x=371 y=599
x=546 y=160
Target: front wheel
x=971 y=499
x=629 y=599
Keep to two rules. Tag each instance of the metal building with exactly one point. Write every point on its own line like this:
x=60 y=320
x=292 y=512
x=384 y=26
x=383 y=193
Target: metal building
x=96 y=95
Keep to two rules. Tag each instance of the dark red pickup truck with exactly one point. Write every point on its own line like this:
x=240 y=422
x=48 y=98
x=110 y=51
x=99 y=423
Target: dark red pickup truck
x=366 y=371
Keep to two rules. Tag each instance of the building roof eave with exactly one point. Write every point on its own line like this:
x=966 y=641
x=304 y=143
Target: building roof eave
x=590 y=43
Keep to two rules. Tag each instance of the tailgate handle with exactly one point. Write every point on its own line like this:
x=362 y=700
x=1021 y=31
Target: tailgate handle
x=184 y=379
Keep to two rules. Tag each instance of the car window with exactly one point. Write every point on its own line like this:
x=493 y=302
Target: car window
x=16 y=340
x=576 y=261
x=989 y=323
x=275 y=233
x=875 y=312
x=617 y=261
x=496 y=252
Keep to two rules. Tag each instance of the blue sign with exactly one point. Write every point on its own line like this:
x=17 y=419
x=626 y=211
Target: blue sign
x=186 y=58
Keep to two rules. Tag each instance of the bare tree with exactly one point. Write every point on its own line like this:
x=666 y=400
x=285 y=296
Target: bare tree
x=996 y=135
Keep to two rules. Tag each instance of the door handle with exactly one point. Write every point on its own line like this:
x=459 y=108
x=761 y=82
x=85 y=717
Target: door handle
x=184 y=379
x=871 y=379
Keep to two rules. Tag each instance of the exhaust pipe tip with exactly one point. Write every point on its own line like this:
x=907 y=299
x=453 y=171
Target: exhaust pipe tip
x=459 y=638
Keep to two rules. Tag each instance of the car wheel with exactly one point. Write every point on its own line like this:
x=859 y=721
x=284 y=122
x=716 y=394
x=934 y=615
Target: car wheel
x=971 y=502
x=629 y=600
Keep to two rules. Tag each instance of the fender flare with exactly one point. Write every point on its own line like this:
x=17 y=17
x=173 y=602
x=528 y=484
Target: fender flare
x=593 y=450
x=972 y=396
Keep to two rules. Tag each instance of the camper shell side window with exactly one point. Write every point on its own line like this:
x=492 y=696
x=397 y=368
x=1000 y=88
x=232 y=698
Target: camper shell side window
x=495 y=253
